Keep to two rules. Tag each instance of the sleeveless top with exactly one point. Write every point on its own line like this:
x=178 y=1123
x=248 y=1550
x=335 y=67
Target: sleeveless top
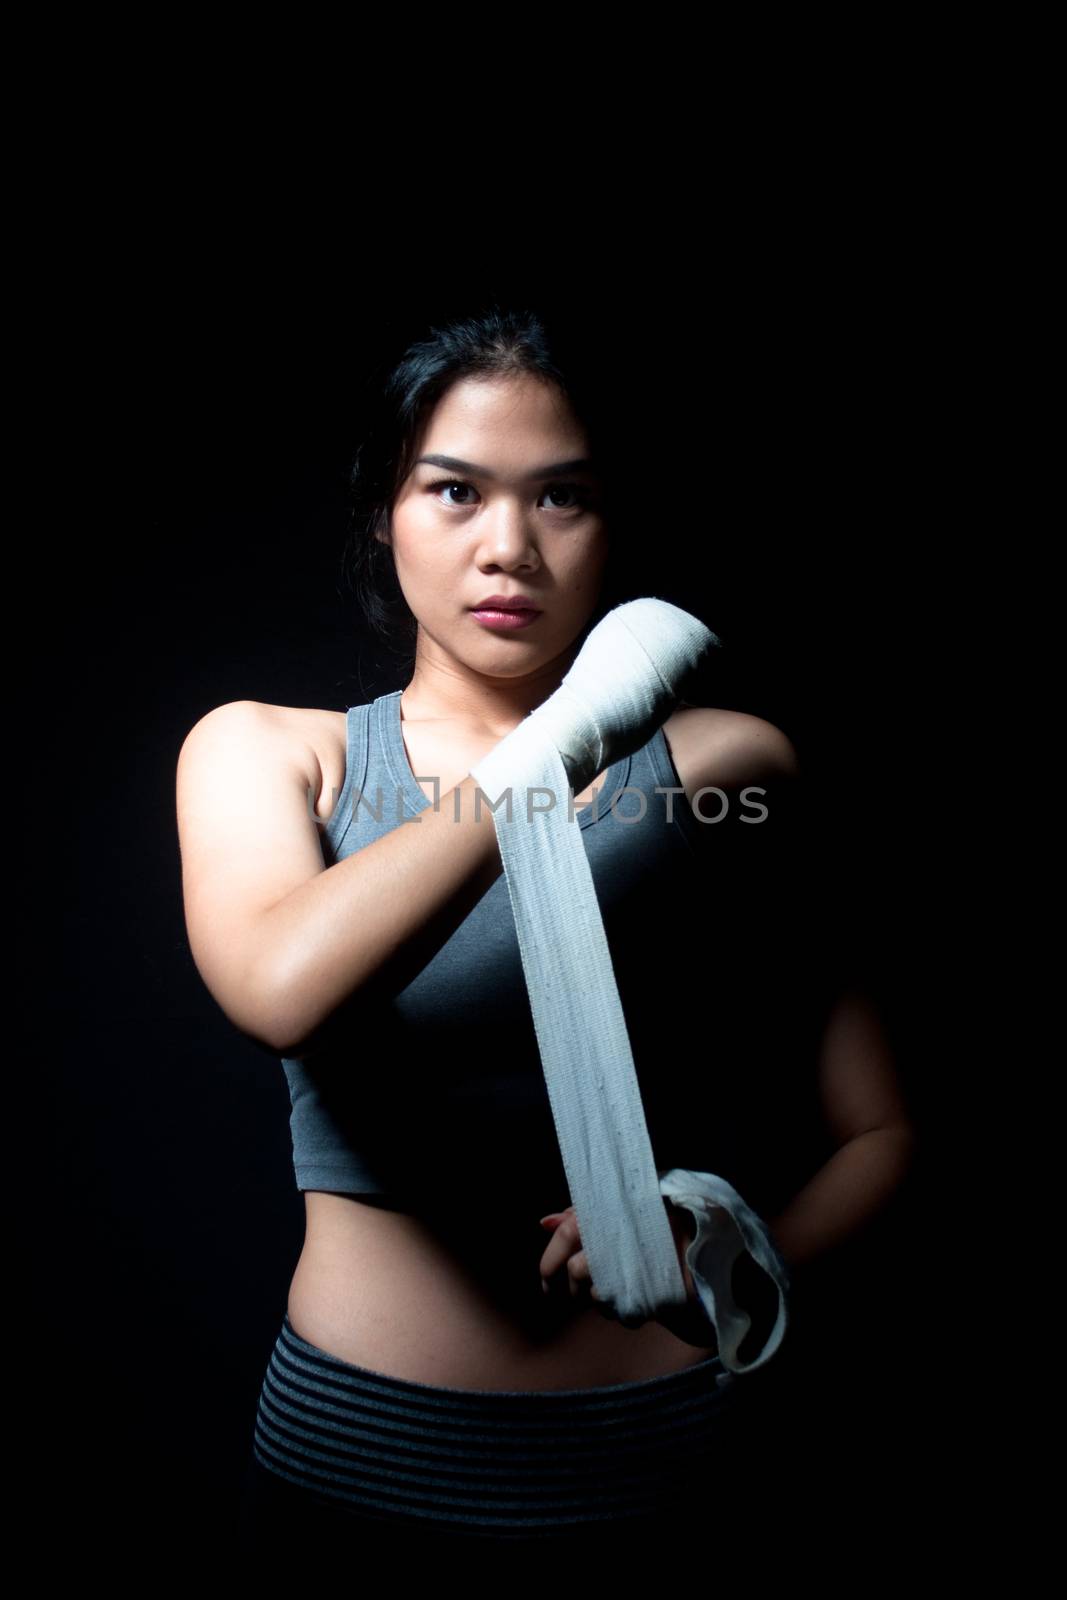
x=433 y=1098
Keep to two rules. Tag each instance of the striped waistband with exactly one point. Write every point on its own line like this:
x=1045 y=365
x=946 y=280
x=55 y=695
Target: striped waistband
x=497 y=1463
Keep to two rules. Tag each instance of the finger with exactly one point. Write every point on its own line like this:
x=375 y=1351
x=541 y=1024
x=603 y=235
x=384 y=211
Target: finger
x=578 y=1273
x=565 y=1241
x=552 y=1217
x=556 y=1270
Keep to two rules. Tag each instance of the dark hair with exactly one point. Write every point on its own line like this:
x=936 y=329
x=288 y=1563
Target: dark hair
x=492 y=340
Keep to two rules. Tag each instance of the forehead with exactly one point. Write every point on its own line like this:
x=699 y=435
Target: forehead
x=516 y=417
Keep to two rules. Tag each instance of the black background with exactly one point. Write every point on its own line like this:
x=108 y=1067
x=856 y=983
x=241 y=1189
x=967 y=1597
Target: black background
x=213 y=385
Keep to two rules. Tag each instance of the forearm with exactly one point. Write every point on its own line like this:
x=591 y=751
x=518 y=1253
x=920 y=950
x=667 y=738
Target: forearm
x=845 y=1194
x=378 y=915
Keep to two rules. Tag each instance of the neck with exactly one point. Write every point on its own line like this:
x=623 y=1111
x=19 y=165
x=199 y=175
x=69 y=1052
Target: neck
x=443 y=689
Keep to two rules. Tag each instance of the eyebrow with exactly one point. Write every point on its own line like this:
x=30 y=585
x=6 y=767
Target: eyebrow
x=454 y=464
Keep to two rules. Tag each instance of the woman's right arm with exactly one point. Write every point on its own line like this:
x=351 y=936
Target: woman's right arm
x=280 y=939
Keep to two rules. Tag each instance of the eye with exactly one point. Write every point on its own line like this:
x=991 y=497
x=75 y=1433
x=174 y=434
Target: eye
x=581 y=495
x=450 y=483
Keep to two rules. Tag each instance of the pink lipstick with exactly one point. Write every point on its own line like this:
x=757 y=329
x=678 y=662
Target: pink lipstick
x=507 y=621
x=505 y=611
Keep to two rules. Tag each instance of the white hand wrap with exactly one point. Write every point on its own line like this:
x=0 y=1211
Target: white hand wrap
x=619 y=690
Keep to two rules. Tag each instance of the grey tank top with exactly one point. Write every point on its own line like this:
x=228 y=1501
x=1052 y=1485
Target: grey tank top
x=434 y=1095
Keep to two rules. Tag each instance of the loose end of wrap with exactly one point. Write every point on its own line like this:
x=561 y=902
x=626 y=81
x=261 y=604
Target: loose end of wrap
x=727 y=1227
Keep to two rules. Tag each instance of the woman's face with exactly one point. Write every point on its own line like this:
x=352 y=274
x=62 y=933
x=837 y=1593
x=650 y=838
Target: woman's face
x=512 y=512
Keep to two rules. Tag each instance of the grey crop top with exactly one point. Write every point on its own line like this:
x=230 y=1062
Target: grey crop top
x=435 y=1095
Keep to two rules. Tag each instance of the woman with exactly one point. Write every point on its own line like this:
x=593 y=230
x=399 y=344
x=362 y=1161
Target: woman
x=375 y=953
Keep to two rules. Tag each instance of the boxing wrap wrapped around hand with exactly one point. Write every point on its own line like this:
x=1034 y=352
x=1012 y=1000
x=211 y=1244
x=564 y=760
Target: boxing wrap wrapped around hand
x=620 y=688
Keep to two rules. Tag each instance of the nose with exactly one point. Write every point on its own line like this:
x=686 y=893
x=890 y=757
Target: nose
x=507 y=539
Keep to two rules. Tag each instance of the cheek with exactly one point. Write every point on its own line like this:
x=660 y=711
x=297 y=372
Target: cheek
x=417 y=552
x=430 y=571
x=589 y=569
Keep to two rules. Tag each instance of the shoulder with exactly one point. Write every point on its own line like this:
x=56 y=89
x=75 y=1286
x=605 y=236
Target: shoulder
x=712 y=747
x=250 y=736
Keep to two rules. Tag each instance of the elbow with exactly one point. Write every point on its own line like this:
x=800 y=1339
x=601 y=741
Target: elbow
x=904 y=1136
x=275 y=1019
x=269 y=1027
x=281 y=1041
x=290 y=1019
x=898 y=1138
x=887 y=1149
x=284 y=1032
x=266 y=998
x=897 y=1144
x=297 y=1005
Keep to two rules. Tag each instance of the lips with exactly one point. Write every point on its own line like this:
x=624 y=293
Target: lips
x=507 y=616
x=497 y=602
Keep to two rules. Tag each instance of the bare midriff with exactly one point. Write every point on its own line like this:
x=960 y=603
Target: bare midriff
x=376 y=1287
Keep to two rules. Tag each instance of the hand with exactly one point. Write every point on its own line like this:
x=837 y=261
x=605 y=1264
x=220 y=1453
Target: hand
x=623 y=684
x=565 y=1255
x=621 y=687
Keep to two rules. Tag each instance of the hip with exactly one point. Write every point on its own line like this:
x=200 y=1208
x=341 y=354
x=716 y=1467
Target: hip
x=336 y=1441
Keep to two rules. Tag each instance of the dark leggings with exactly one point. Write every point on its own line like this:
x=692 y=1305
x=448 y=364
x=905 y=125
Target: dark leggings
x=346 y=1459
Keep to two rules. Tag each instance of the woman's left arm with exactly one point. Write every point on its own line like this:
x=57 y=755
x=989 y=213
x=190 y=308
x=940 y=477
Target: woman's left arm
x=864 y=1108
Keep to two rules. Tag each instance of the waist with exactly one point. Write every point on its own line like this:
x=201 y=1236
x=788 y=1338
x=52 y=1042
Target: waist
x=517 y=1464
x=459 y=1304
